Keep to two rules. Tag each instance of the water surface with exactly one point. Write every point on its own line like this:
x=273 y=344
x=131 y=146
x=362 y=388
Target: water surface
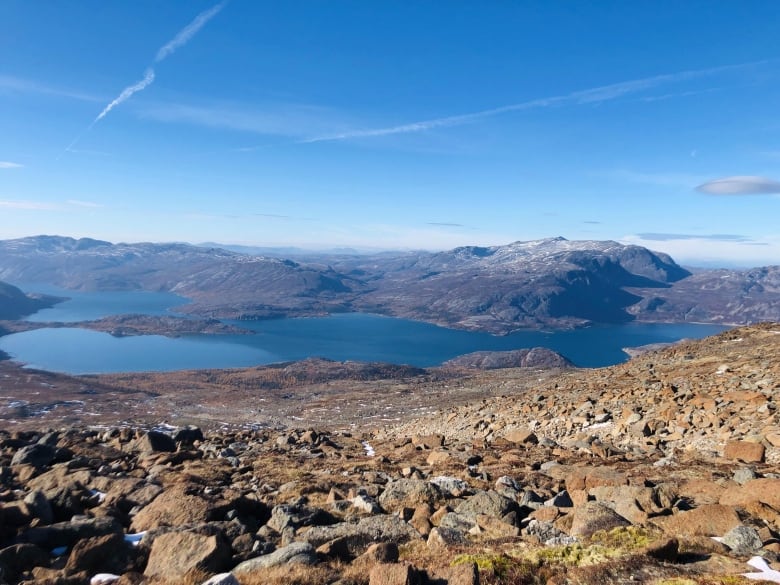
x=354 y=336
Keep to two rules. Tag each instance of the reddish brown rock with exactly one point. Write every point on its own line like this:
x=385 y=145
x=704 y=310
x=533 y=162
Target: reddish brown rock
x=176 y=554
x=394 y=574
x=462 y=574
x=173 y=507
x=765 y=490
x=581 y=478
x=707 y=520
x=522 y=437
x=745 y=451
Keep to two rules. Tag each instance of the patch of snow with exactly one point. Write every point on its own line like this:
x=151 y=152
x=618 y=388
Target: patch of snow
x=135 y=539
x=369 y=449
x=601 y=425
x=104 y=579
x=100 y=495
x=163 y=427
x=766 y=573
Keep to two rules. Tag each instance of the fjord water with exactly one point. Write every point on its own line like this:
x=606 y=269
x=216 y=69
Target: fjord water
x=86 y=306
x=353 y=336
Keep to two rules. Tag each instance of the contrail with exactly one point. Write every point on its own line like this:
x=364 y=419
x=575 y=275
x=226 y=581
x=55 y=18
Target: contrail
x=126 y=93
x=584 y=96
x=181 y=39
x=188 y=32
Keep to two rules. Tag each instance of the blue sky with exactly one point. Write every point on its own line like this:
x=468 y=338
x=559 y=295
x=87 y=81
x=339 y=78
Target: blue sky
x=394 y=124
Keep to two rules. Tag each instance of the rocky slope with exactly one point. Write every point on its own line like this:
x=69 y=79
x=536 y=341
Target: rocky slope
x=14 y=304
x=546 y=283
x=664 y=470
x=553 y=282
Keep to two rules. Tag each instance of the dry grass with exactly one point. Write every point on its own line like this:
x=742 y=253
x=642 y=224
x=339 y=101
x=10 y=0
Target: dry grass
x=293 y=575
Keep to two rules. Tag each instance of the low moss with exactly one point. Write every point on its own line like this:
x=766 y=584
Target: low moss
x=497 y=563
x=624 y=538
x=600 y=547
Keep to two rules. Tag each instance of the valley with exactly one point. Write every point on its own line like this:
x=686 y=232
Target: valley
x=542 y=284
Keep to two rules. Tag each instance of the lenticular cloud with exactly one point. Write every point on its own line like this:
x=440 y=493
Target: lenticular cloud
x=740 y=186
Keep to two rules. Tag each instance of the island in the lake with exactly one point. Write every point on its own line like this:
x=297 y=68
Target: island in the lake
x=127 y=325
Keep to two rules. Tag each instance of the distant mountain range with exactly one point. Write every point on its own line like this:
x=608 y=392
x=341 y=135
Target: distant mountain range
x=545 y=283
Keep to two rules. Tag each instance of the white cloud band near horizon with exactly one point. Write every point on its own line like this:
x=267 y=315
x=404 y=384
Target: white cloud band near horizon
x=585 y=96
x=26 y=205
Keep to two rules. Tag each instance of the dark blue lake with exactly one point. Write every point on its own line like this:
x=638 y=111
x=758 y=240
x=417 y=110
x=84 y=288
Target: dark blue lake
x=357 y=337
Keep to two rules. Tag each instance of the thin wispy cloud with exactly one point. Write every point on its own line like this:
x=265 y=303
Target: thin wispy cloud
x=10 y=84
x=586 y=96
x=660 y=179
x=80 y=203
x=4 y=164
x=181 y=39
x=740 y=185
x=445 y=224
x=27 y=205
x=272 y=215
x=662 y=237
x=89 y=152
x=293 y=121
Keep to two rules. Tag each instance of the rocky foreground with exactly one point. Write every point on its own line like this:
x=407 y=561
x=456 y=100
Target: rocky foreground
x=662 y=470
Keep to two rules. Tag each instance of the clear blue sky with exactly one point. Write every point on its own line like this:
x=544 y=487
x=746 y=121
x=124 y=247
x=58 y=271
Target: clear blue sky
x=394 y=124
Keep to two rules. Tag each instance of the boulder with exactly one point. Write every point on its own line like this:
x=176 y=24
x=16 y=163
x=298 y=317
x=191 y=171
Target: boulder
x=296 y=516
x=358 y=536
x=153 y=442
x=764 y=490
x=460 y=574
x=522 y=437
x=301 y=553
x=173 y=507
x=100 y=554
x=68 y=533
x=176 y=554
x=745 y=451
x=39 y=506
x=742 y=540
x=707 y=520
x=489 y=503
x=18 y=558
x=447 y=537
x=594 y=516
x=581 y=478
x=36 y=455
x=394 y=574
x=188 y=435
x=408 y=493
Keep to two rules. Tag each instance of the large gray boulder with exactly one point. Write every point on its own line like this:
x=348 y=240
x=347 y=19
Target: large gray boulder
x=408 y=493
x=356 y=537
x=301 y=553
